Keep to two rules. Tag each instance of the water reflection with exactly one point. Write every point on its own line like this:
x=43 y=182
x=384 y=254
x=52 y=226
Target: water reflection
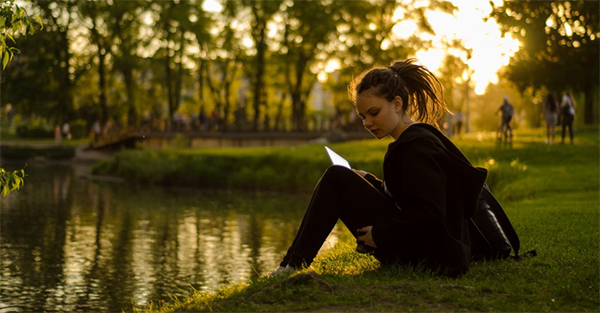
x=68 y=244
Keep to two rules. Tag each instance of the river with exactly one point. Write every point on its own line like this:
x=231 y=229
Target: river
x=71 y=244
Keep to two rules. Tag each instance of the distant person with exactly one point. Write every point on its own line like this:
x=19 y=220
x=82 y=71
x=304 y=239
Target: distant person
x=459 y=119
x=66 y=131
x=418 y=215
x=551 y=117
x=9 y=112
x=96 y=131
x=506 y=114
x=567 y=112
x=57 y=134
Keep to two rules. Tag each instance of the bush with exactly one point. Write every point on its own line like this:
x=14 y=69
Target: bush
x=79 y=129
x=35 y=131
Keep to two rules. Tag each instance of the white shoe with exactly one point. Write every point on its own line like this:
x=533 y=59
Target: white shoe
x=281 y=270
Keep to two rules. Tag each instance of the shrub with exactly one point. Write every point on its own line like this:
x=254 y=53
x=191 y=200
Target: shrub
x=34 y=131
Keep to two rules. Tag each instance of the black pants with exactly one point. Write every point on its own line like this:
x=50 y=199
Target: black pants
x=340 y=194
x=567 y=122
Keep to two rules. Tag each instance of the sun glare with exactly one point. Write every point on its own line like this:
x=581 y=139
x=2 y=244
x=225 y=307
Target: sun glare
x=490 y=51
x=212 y=6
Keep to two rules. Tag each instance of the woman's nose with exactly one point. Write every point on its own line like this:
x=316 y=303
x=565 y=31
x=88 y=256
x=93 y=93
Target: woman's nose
x=367 y=122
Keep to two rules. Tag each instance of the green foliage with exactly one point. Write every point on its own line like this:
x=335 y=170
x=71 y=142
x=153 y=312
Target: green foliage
x=79 y=128
x=34 y=131
x=136 y=56
x=11 y=181
x=13 y=20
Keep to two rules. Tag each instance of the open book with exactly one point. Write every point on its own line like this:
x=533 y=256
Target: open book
x=337 y=159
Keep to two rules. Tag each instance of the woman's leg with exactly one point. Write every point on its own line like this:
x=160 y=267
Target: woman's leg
x=340 y=194
x=571 y=130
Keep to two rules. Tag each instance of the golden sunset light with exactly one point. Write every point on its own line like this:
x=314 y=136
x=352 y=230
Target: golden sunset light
x=490 y=50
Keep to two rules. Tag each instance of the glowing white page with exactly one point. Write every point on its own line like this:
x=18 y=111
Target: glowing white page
x=336 y=158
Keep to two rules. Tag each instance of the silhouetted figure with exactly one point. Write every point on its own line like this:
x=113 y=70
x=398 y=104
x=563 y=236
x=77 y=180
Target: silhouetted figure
x=567 y=112
x=66 y=131
x=506 y=114
x=459 y=119
x=551 y=117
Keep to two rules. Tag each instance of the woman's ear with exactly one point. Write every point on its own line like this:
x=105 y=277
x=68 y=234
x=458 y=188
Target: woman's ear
x=397 y=104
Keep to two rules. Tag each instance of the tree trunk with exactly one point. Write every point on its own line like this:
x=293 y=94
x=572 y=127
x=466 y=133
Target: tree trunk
x=277 y=126
x=64 y=96
x=299 y=107
x=132 y=116
x=169 y=83
x=227 y=106
x=201 y=67
x=260 y=69
x=179 y=81
x=102 y=85
x=588 y=113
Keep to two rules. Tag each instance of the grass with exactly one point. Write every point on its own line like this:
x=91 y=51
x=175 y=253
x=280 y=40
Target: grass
x=550 y=193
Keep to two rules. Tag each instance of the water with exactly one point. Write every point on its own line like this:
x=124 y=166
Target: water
x=70 y=244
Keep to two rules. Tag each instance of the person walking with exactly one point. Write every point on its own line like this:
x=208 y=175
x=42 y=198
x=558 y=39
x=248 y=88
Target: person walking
x=417 y=214
x=551 y=117
x=567 y=112
x=66 y=131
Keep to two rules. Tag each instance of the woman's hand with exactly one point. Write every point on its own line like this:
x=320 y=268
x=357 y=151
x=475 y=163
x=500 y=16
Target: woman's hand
x=360 y=172
x=367 y=236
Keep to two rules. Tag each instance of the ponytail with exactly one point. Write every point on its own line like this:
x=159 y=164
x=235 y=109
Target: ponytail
x=421 y=92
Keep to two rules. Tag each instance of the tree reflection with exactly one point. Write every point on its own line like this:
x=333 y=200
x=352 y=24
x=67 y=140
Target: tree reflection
x=73 y=245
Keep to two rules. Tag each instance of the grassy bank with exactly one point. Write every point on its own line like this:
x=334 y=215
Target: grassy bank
x=551 y=194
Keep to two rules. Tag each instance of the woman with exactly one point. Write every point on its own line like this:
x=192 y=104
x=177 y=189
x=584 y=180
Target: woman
x=551 y=117
x=567 y=109
x=416 y=215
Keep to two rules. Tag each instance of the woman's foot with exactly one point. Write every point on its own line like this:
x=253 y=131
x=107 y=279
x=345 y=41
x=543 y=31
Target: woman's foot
x=282 y=270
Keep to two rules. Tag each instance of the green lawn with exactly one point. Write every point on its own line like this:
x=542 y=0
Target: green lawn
x=550 y=193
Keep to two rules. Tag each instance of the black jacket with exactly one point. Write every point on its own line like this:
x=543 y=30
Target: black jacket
x=437 y=190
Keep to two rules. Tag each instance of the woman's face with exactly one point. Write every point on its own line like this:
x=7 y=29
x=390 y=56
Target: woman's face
x=380 y=117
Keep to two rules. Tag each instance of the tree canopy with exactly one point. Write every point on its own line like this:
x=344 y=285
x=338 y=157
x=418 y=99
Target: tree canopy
x=134 y=63
x=13 y=20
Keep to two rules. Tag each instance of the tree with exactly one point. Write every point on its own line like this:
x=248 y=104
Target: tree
x=96 y=13
x=60 y=18
x=560 y=46
x=172 y=24
x=13 y=19
x=308 y=28
x=261 y=13
x=124 y=25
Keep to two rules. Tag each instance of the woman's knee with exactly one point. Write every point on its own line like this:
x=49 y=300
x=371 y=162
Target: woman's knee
x=337 y=174
x=338 y=171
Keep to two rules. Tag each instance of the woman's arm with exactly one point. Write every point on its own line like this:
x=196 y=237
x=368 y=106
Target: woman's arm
x=421 y=195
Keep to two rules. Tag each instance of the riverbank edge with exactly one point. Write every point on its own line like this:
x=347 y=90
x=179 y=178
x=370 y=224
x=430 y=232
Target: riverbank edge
x=36 y=152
